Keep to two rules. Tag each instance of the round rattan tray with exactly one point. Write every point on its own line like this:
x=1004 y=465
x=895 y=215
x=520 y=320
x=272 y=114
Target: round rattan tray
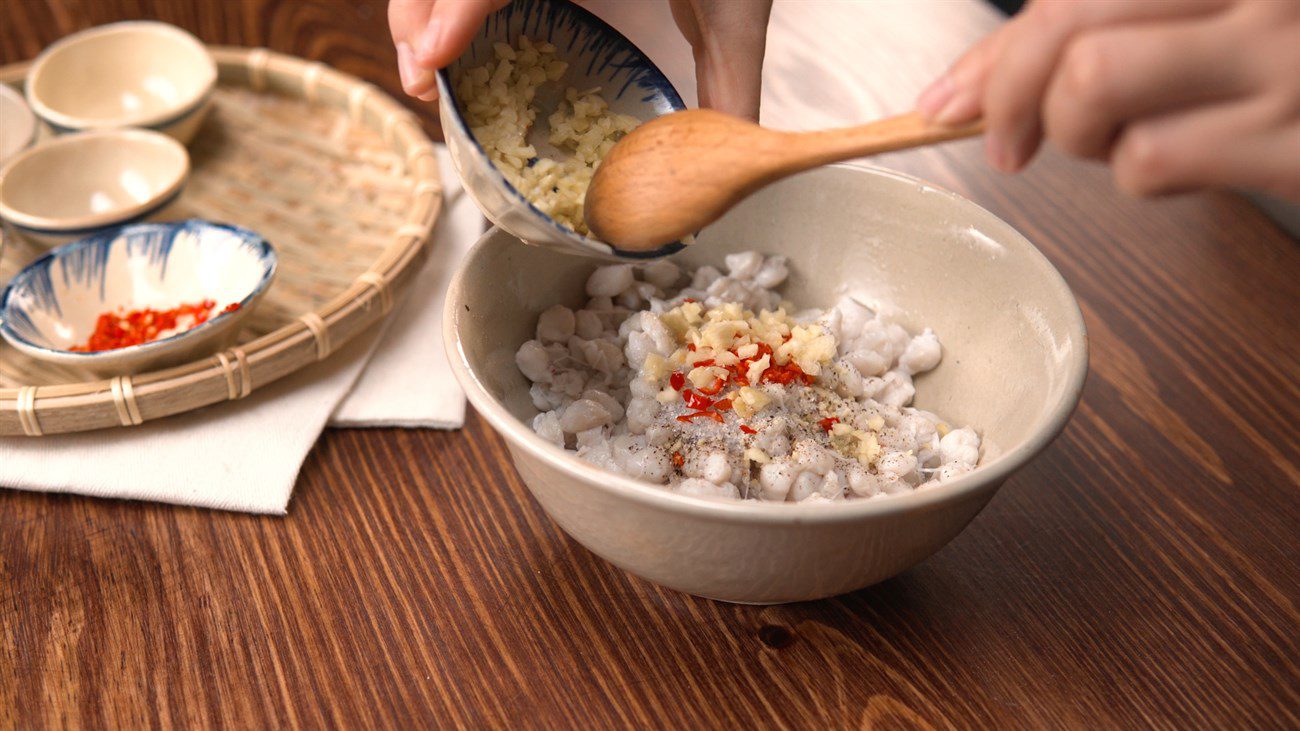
x=335 y=173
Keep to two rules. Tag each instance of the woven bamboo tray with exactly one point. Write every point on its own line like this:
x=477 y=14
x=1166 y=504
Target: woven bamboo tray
x=334 y=173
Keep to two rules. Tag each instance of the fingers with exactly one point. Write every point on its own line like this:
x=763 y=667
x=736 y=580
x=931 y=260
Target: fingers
x=955 y=97
x=729 y=40
x=431 y=34
x=451 y=27
x=1021 y=76
x=1010 y=73
x=406 y=19
x=1237 y=144
x=1114 y=75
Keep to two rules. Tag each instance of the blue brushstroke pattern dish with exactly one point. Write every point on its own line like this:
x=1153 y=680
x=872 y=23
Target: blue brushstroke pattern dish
x=597 y=55
x=53 y=303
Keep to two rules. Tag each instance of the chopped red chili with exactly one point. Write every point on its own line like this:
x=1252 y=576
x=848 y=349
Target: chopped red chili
x=695 y=415
x=696 y=401
x=786 y=374
x=677 y=380
x=748 y=429
x=723 y=405
x=120 y=330
x=828 y=422
x=704 y=363
x=713 y=390
x=678 y=460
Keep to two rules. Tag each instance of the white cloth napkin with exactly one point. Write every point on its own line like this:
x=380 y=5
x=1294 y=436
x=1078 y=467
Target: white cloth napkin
x=245 y=455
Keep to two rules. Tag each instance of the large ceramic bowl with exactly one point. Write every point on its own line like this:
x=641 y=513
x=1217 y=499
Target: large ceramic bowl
x=1015 y=355
x=597 y=55
x=131 y=74
x=80 y=185
x=53 y=304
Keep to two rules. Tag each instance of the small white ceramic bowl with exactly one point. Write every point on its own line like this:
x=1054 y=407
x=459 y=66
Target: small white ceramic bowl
x=1015 y=356
x=130 y=74
x=597 y=55
x=79 y=185
x=17 y=124
x=53 y=303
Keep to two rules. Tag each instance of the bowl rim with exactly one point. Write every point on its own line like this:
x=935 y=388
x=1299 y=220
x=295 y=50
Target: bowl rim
x=13 y=95
x=519 y=435
x=265 y=252
x=46 y=224
x=160 y=118
x=447 y=98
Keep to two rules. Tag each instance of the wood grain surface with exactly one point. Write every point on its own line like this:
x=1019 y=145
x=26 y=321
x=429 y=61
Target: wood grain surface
x=1141 y=573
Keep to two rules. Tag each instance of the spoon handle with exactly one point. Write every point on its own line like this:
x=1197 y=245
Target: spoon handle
x=885 y=135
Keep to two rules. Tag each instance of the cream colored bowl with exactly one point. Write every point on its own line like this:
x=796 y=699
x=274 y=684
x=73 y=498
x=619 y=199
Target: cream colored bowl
x=80 y=185
x=17 y=124
x=1015 y=355
x=131 y=74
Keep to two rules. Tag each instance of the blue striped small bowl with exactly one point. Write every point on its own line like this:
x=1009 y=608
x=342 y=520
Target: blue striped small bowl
x=53 y=303
x=597 y=55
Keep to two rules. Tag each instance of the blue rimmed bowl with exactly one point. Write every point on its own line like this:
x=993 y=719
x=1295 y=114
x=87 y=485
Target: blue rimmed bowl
x=130 y=74
x=597 y=55
x=81 y=185
x=53 y=304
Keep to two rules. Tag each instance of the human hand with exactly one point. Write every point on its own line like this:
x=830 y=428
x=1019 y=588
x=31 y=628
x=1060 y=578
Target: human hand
x=1175 y=94
x=430 y=34
x=728 y=38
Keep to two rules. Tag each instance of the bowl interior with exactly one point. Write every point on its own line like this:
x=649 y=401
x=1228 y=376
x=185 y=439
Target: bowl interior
x=91 y=175
x=598 y=56
x=123 y=73
x=54 y=302
x=1014 y=350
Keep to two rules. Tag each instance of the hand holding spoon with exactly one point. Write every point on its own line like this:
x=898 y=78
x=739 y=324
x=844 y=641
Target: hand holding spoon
x=674 y=175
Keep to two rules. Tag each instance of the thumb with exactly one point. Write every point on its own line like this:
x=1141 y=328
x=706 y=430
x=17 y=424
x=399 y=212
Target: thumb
x=452 y=25
x=729 y=41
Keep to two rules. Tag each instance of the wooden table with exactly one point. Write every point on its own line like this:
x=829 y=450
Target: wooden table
x=1142 y=572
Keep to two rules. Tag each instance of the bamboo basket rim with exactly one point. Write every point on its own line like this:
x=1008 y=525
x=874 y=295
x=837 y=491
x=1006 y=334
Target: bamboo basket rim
x=313 y=336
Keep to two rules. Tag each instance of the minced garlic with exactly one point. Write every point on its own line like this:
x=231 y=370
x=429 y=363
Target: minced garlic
x=755 y=371
x=706 y=376
x=655 y=366
x=749 y=401
x=809 y=346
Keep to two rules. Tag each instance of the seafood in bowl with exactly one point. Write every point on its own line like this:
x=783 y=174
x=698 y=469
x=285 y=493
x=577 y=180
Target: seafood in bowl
x=1013 y=357
x=715 y=387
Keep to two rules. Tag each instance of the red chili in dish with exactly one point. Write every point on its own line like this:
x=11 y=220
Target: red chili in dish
x=115 y=330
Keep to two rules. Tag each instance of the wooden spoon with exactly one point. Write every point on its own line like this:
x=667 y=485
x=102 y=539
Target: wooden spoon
x=674 y=175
